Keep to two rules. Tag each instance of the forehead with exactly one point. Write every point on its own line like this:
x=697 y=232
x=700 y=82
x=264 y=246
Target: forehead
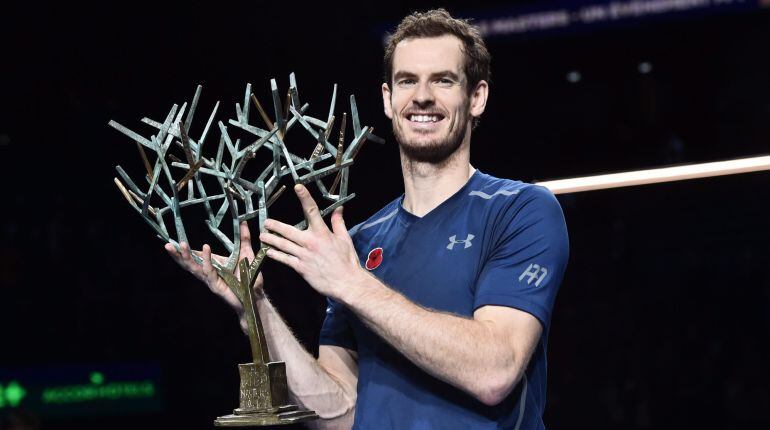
x=428 y=54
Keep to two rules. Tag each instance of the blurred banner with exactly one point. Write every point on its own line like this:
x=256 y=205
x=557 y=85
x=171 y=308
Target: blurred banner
x=577 y=15
x=82 y=390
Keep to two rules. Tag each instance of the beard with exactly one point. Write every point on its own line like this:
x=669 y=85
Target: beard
x=435 y=151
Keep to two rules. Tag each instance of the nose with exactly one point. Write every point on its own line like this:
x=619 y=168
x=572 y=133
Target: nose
x=423 y=96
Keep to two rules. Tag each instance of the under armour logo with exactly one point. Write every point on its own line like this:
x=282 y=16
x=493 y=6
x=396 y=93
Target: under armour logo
x=466 y=243
x=535 y=273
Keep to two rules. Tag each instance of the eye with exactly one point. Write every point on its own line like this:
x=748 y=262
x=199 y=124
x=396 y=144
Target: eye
x=444 y=82
x=405 y=82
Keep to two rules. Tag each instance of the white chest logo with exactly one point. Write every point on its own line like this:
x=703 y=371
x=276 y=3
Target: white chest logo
x=534 y=273
x=466 y=242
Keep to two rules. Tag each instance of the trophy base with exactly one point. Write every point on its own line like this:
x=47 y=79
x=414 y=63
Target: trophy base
x=287 y=414
x=264 y=398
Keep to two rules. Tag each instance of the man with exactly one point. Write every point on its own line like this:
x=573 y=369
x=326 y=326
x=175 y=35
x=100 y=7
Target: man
x=439 y=304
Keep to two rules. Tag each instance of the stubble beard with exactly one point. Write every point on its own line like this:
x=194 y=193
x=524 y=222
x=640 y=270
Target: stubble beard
x=436 y=151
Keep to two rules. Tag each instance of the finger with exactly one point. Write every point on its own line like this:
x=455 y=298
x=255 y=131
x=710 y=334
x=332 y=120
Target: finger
x=281 y=244
x=338 y=222
x=208 y=267
x=284 y=258
x=309 y=207
x=184 y=251
x=288 y=231
x=184 y=258
x=171 y=249
x=245 y=232
x=219 y=259
x=174 y=254
x=246 y=248
x=214 y=257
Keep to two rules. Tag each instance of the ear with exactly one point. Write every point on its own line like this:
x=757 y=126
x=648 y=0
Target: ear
x=479 y=98
x=386 y=101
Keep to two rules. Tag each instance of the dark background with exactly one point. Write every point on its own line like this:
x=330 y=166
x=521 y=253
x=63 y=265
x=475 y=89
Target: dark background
x=664 y=313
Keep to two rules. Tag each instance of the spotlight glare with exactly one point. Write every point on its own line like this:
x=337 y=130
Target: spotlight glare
x=645 y=67
x=574 y=77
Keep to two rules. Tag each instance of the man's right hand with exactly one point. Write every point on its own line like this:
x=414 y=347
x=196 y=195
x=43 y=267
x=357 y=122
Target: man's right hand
x=208 y=274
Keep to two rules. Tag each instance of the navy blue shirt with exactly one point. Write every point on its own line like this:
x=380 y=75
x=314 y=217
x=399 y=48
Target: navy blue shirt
x=494 y=242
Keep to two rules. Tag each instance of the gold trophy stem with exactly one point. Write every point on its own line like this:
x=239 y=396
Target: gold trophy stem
x=259 y=350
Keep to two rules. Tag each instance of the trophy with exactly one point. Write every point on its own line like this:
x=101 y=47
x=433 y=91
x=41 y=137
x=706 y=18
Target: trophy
x=241 y=196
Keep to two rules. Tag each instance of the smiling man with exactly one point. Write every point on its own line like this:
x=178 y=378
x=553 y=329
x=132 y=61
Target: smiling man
x=430 y=121
x=440 y=303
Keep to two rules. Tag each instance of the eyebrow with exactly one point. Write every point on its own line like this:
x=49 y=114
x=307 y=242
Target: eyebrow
x=443 y=73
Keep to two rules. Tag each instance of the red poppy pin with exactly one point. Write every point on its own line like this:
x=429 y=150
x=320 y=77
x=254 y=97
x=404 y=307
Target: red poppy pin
x=374 y=259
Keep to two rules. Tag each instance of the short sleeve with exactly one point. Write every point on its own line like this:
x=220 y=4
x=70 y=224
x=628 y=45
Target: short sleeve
x=337 y=328
x=529 y=255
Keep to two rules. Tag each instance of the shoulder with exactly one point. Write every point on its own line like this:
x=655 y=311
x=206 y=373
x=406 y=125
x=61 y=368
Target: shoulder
x=513 y=198
x=490 y=188
x=516 y=211
x=541 y=199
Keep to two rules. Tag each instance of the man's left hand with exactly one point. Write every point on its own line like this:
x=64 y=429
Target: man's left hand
x=325 y=258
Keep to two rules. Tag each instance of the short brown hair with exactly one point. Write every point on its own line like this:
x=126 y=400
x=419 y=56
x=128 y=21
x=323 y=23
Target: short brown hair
x=435 y=23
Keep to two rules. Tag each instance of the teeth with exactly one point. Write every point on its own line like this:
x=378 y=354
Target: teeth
x=423 y=118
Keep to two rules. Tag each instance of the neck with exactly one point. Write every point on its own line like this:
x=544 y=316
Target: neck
x=427 y=185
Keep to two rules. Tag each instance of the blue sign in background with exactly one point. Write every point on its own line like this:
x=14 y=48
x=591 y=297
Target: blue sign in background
x=82 y=389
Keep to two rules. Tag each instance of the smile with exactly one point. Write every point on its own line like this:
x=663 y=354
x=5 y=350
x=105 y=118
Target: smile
x=424 y=118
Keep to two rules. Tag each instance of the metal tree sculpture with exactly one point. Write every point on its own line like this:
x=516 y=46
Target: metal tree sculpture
x=264 y=394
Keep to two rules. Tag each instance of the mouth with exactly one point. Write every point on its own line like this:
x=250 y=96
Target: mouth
x=424 y=118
